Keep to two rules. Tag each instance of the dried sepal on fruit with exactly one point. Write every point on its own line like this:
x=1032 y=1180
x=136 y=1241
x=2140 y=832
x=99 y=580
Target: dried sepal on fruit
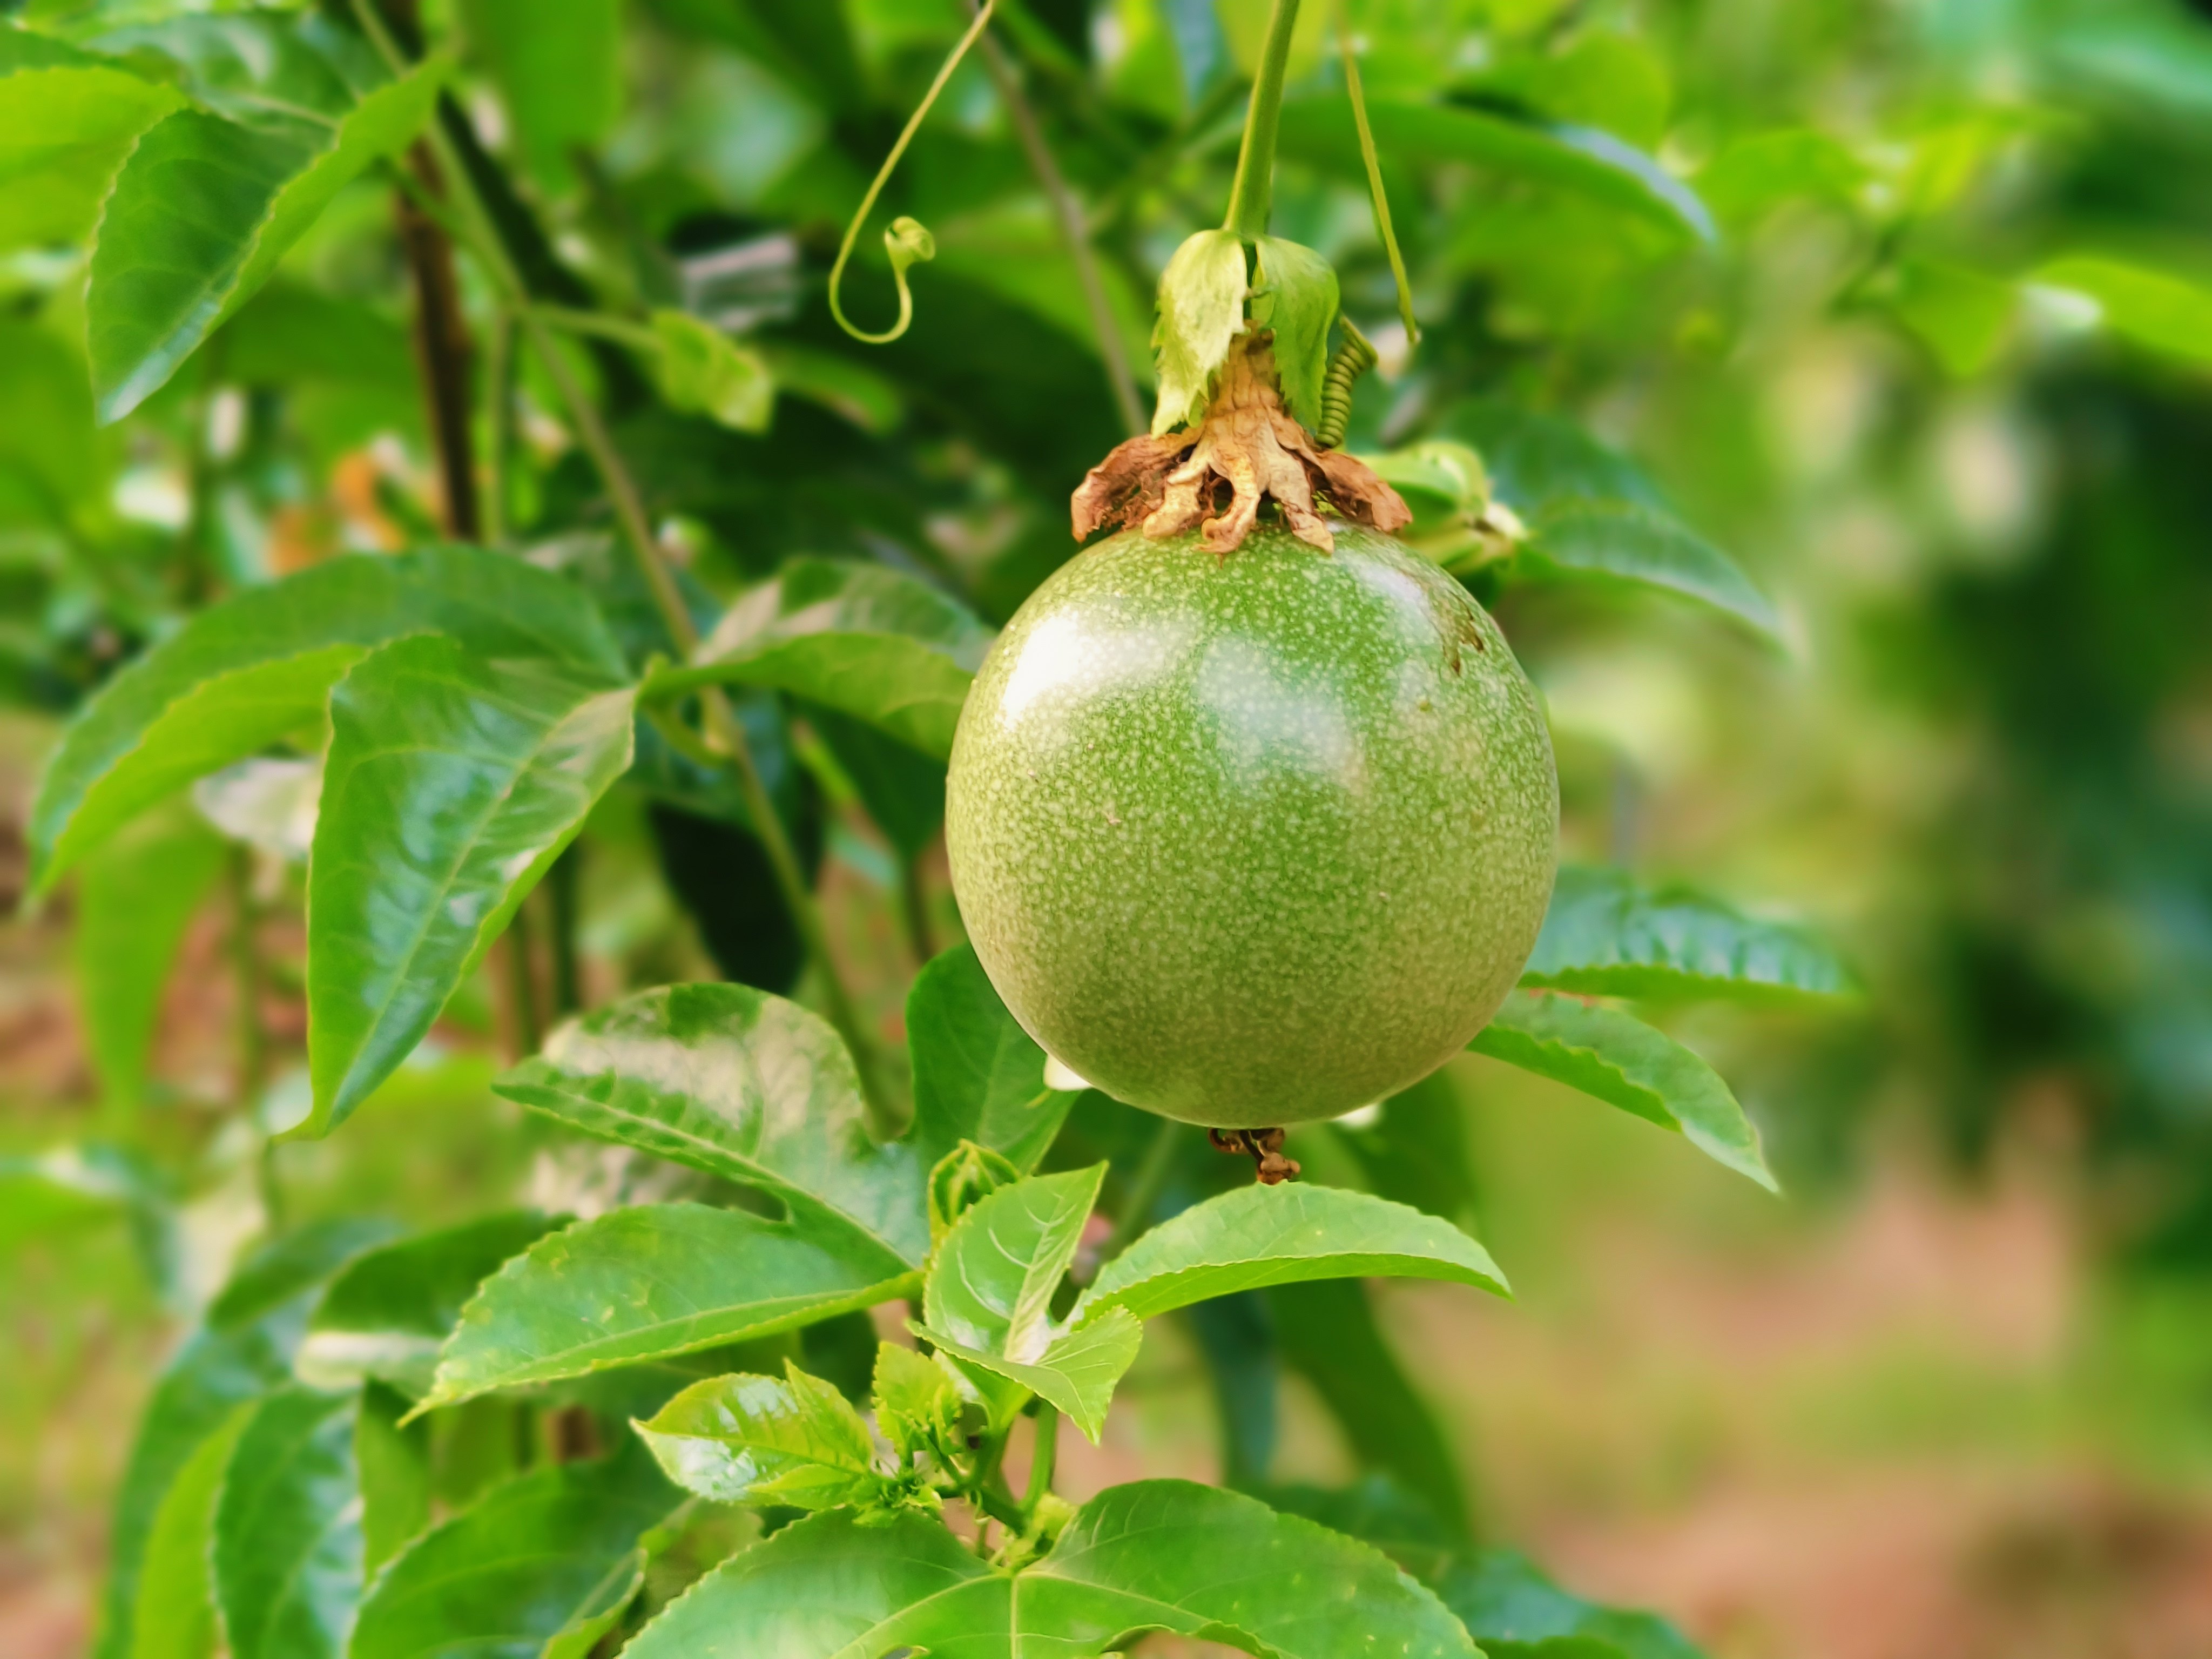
x=1213 y=477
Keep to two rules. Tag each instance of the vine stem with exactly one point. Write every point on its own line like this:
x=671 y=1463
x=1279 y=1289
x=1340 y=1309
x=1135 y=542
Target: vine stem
x=1252 y=195
x=1043 y=1454
x=1074 y=231
x=1374 y=164
x=723 y=728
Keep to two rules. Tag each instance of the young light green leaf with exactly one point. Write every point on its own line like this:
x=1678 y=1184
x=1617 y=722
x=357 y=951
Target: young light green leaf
x=1295 y=294
x=1618 y=1058
x=977 y=1075
x=743 y=1439
x=1201 y=310
x=257 y=669
x=703 y=370
x=558 y=67
x=243 y=1348
x=1961 y=315
x=744 y=1085
x=1517 y=1612
x=175 y=1616
x=2153 y=308
x=649 y=1282
x=1257 y=1235
x=388 y=1310
x=1625 y=542
x=537 y=1559
x=1761 y=172
x=862 y=638
x=917 y=1407
x=962 y=1178
x=991 y=1282
x=1146 y=1556
x=451 y=784
x=1078 y=1372
x=288 y=1539
x=1606 y=936
x=135 y=898
x=67 y=120
x=200 y=212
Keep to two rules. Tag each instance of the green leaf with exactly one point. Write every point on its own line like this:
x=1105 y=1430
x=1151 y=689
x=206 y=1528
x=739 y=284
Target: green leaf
x=557 y=64
x=1517 y=1612
x=1146 y=1556
x=288 y=1538
x=917 y=1407
x=702 y=370
x=1606 y=936
x=242 y=1348
x=991 y=1279
x=977 y=1075
x=393 y=1457
x=862 y=638
x=1078 y=1372
x=200 y=212
x=1416 y=1152
x=1258 y=1236
x=1295 y=294
x=268 y=68
x=389 y=1309
x=1599 y=78
x=1201 y=309
x=1759 y=173
x=136 y=897
x=743 y=1439
x=175 y=1615
x=536 y=1558
x=991 y=1282
x=1625 y=542
x=259 y=668
x=1378 y=1510
x=451 y=784
x=65 y=1186
x=744 y=1085
x=2151 y=308
x=902 y=789
x=648 y=1283
x=1960 y=315
x=1618 y=1058
x=67 y=120
x=1327 y=1334
x=1539 y=464
x=1594 y=165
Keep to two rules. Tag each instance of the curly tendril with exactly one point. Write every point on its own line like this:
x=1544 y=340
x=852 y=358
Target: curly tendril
x=908 y=240
x=1353 y=358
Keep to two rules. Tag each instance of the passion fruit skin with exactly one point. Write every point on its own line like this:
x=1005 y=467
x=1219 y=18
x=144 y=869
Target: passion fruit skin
x=1252 y=840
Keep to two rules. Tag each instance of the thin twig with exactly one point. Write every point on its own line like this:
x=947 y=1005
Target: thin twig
x=1074 y=232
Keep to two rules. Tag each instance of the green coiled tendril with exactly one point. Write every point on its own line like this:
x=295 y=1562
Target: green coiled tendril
x=907 y=240
x=1353 y=358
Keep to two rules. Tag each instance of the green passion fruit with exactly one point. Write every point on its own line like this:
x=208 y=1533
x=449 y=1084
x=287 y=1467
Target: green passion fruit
x=1255 y=840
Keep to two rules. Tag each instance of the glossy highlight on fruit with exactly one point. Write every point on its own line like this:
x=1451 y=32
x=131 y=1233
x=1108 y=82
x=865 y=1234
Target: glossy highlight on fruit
x=1255 y=839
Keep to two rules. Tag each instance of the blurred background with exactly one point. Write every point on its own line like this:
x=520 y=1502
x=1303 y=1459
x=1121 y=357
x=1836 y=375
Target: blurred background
x=1906 y=305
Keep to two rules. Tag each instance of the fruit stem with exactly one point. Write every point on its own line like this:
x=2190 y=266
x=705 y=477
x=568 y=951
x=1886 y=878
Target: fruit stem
x=1252 y=195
